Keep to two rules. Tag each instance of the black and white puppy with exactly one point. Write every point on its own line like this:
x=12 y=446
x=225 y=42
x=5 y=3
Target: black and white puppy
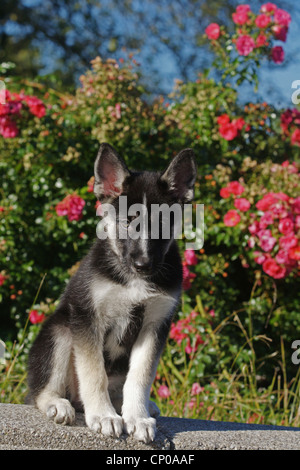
x=102 y=345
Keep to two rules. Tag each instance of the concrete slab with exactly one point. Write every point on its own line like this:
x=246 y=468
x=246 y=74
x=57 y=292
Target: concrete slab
x=24 y=427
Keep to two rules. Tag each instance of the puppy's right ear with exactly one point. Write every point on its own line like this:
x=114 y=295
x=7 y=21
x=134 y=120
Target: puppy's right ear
x=110 y=172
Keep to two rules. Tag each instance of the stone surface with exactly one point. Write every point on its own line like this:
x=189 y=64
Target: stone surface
x=24 y=427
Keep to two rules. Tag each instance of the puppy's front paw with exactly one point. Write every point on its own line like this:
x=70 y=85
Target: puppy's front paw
x=142 y=429
x=61 y=411
x=109 y=426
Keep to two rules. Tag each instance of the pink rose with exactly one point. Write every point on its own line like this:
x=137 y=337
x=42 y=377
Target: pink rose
x=212 y=31
x=225 y=193
x=282 y=17
x=266 y=220
x=296 y=205
x=236 y=188
x=268 y=8
x=254 y=227
x=240 y=18
x=245 y=44
x=277 y=54
x=294 y=253
x=286 y=226
x=190 y=257
x=163 y=391
x=295 y=139
x=262 y=21
x=273 y=269
x=288 y=241
x=242 y=204
x=72 y=206
x=231 y=218
x=36 y=106
x=196 y=389
x=8 y=128
x=228 y=131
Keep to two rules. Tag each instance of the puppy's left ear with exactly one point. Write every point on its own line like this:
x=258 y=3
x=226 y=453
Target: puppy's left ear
x=181 y=174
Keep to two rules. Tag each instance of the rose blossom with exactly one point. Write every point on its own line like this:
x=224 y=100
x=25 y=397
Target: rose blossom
x=280 y=32
x=295 y=139
x=190 y=257
x=294 y=253
x=245 y=44
x=231 y=218
x=267 y=243
x=282 y=257
x=212 y=31
x=242 y=204
x=196 y=389
x=288 y=241
x=266 y=220
x=286 y=226
x=273 y=269
x=254 y=227
x=282 y=17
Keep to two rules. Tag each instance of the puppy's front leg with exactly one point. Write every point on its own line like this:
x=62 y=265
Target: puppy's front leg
x=100 y=415
x=135 y=410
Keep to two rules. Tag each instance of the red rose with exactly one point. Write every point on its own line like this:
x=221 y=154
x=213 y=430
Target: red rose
x=282 y=17
x=36 y=317
x=223 y=119
x=190 y=257
x=280 y=32
x=236 y=188
x=228 y=131
x=261 y=40
x=277 y=54
x=273 y=269
x=225 y=193
x=212 y=31
x=231 y=218
x=268 y=8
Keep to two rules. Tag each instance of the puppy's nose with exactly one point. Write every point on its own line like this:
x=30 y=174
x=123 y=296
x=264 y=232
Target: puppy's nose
x=142 y=264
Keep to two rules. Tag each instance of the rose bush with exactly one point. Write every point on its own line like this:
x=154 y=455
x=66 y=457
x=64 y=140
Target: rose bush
x=241 y=289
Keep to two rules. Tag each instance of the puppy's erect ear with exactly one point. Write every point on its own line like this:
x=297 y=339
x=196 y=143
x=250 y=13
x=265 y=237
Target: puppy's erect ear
x=110 y=172
x=181 y=174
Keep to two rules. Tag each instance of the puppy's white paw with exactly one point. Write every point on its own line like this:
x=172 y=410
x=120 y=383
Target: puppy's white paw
x=109 y=426
x=142 y=429
x=61 y=412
